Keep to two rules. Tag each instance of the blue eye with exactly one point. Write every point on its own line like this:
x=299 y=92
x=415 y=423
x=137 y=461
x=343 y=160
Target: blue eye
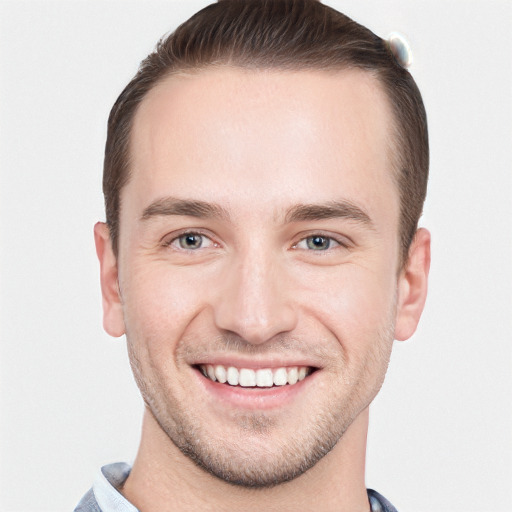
x=317 y=243
x=190 y=241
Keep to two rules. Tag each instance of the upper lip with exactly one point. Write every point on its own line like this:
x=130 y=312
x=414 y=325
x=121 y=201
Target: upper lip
x=256 y=363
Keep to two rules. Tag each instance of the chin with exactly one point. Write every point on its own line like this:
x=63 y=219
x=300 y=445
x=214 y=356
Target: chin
x=256 y=453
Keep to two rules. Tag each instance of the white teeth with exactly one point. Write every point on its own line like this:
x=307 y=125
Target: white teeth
x=220 y=373
x=293 y=376
x=280 y=377
x=247 y=378
x=211 y=372
x=262 y=378
x=232 y=375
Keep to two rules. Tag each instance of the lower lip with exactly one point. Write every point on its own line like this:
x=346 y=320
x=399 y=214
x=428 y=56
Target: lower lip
x=254 y=398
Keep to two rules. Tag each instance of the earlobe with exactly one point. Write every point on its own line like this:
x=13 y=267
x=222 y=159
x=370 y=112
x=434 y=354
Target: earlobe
x=412 y=286
x=113 y=321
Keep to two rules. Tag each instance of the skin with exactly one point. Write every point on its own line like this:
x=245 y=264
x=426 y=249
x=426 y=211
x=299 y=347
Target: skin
x=257 y=292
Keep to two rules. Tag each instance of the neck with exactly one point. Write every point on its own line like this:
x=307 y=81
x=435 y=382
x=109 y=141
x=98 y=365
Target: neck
x=163 y=479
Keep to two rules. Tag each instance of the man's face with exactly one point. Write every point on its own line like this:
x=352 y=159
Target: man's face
x=259 y=239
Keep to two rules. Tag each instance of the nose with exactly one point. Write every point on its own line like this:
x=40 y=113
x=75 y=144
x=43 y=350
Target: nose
x=255 y=300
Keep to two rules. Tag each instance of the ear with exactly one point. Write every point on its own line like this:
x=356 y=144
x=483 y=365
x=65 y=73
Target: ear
x=113 y=321
x=412 y=286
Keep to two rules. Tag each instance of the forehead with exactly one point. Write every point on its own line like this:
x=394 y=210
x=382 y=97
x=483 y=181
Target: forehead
x=265 y=137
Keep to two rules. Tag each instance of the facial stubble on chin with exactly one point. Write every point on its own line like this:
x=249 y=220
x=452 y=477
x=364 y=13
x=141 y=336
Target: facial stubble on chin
x=251 y=457
x=237 y=467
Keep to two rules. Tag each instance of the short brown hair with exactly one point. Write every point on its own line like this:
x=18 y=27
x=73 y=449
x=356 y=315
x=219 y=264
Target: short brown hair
x=281 y=34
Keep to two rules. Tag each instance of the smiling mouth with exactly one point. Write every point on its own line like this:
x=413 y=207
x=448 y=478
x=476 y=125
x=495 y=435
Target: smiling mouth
x=261 y=378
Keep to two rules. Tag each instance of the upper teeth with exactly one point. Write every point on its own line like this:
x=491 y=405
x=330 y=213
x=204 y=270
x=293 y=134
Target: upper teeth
x=262 y=378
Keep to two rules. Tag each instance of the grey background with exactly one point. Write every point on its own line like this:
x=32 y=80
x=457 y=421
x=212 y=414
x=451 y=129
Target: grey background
x=441 y=430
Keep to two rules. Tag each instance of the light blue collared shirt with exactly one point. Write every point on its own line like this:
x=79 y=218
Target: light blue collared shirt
x=104 y=495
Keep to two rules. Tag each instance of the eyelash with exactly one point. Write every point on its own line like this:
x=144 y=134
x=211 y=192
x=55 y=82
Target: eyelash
x=176 y=239
x=329 y=239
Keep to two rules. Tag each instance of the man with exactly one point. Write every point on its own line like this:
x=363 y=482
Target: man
x=264 y=175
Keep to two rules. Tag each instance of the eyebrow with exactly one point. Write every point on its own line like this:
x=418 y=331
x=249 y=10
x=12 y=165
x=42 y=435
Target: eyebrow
x=190 y=208
x=331 y=210
x=168 y=206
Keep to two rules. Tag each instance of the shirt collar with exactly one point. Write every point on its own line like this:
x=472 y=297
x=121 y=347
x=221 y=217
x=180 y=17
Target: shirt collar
x=106 y=485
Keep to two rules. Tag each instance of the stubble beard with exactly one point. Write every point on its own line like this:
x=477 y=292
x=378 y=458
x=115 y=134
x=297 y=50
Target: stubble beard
x=264 y=466
x=253 y=458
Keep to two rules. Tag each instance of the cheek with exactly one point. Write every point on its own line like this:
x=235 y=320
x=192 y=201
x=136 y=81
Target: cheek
x=159 y=303
x=361 y=316
x=158 y=308
x=362 y=289
x=355 y=303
